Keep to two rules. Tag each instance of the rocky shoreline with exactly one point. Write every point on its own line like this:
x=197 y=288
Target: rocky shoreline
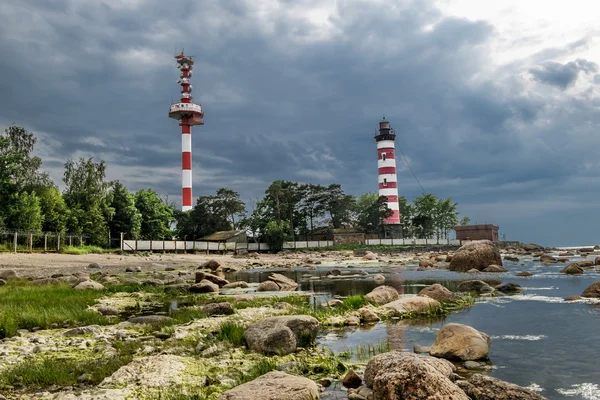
x=227 y=339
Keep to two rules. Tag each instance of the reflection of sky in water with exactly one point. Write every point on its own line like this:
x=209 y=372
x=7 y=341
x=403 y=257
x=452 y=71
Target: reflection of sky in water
x=538 y=340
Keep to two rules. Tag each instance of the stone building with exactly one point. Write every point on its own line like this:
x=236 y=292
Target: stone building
x=477 y=232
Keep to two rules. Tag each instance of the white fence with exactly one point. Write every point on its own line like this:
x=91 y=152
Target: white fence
x=179 y=245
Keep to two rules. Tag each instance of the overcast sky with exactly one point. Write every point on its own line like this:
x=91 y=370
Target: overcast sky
x=495 y=104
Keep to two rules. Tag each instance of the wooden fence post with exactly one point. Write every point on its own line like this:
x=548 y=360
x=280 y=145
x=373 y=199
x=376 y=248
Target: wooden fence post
x=58 y=242
x=31 y=242
x=16 y=238
x=121 y=241
x=45 y=242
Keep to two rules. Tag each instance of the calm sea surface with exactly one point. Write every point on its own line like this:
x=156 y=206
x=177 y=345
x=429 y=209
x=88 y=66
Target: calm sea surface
x=538 y=340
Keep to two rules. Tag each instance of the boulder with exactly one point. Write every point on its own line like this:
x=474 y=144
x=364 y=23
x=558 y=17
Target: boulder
x=426 y=262
x=382 y=295
x=95 y=266
x=367 y=315
x=268 y=286
x=597 y=261
x=441 y=258
x=369 y=255
x=352 y=320
x=439 y=293
x=509 y=287
x=234 y=285
x=532 y=247
x=572 y=269
x=223 y=308
x=379 y=278
x=474 y=286
x=547 y=258
x=592 y=291
x=216 y=279
x=212 y=265
x=274 y=385
x=200 y=275
x=495 y=268
x=351 y=379
x=524 y=273
x=478 y=254
x=150 y=320
x=585 y=264
x=88 y=285
x=107 y=310
x=572 y=298
x=511 y=258
x=7 y=274
x=457 y=341
x=417 y=348
x=281 y=335
x=413 y=304
x=484 y=387
x=204 y=286
x=285 y=284
x=408 y=376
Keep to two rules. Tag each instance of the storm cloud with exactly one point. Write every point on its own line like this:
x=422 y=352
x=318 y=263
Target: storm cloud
x=294 y=90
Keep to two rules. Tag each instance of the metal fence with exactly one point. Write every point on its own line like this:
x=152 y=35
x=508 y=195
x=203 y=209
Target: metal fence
x=20 y=241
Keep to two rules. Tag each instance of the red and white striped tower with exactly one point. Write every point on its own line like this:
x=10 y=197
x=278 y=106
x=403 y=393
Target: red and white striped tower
x=386 y=163
x=188 y=114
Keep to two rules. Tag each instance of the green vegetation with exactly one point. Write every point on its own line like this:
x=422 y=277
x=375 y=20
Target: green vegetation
x=79 y=250
x=48 y=370
x=364 y=352
x=231 y=332
x=20 y=307
x=261 y=367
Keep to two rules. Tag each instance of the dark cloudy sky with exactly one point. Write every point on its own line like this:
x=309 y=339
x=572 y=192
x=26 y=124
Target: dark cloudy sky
x=495 y=105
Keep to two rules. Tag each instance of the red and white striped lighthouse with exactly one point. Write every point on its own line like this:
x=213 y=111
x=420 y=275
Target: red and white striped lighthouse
x=386 y=163
x=188 y=114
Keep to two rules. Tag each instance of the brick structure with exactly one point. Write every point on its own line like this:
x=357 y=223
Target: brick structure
x=477 y=232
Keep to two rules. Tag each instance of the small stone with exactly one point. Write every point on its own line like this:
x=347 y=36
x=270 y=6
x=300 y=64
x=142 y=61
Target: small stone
x=367 y=315
x=379 y=278
x=88 y=285
x=95 y=266
x=170 y=269
x=2 y=282
x=162 y=335
x=212 y=265
x=334 y=303
x=223 y=308
x=234 y=285
x=572 y=298
x=472 y=365
x=524 y=273
x=473 y=271
x=351 y=380
x=107 y=310
x=509 y=287
x=325 y=382
x=7 y=274
x=268 y=286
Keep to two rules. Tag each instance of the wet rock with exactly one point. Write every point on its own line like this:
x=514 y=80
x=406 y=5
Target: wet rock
x=408 y=376
x=275 y=385
x=285 y=284
x=572 y=298
x=107 y=310
x=282 y=334
x=511 y=258
x=216 y=279
x=212 y=265
x=382 y=295
x=223 y=308
x=88 y=285
x=351 y=379
x=572 y=269
x=473 y=365
x=509 y=287
x=548 y=259
x=483 y=387
x=524 y=273
x=95 y=266
x=457 y=341
x=474 y=286
x=352 y=321
x=234 y=285
x=495 y=268
x=417 y=348
x=413 y=304
x=268 y=286
x=204 y=286
x=592 y=291
x=477 y=254
x=597 y=261
x=150 y=320
x=473 y=271
x=439 y=293
x=367 y=315
x=7 y=274
x=82 y=330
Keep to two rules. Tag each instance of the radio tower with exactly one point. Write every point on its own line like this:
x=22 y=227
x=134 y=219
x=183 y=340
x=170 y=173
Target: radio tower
x=386 y=163
x=188 y=114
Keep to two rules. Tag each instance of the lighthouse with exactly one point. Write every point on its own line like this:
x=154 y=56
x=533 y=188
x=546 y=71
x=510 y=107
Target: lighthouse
x=386 y=163
x=188 y=114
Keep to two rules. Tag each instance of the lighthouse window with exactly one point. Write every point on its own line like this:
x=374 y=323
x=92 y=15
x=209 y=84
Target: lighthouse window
x=384 y=182
x=383 y=156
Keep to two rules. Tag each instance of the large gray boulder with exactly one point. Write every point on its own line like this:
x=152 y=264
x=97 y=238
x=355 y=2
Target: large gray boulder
x=439 y=293
x=457 y=341
x=474 y=286
x=223 y=308
x=213 y=265
x=382 y=295
x=478 y=255
x=413 y=304
x=285 y=284
x=88 y=285
x=408 y=376
x=572 y=269
x=267 y=286
x=204 y=286
x=275 y=385
x=483 y=387
x=282 y=334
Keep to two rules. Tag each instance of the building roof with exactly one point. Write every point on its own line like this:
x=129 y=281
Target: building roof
x=475 y=227
x=383 y=119
x=222 y=236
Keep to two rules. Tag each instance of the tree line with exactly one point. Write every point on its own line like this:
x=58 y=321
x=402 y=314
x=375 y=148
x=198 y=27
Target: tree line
x=30 y=201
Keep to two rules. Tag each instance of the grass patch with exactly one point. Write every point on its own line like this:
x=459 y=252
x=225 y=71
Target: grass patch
x=261 y=367
x=231 y=332
x=364 y=352
x=65 y=371
x=27 y=307
x=79 y=250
